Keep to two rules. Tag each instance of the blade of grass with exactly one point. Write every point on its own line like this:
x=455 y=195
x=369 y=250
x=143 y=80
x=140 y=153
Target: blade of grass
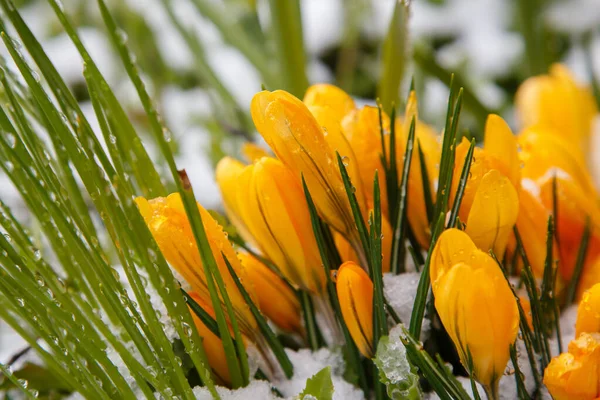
x=274 y=343
x=579 y=263
x=286 y=26
x=418 y=312
x=426 y=184
x=319 y=232
x=356 y=212
x=462 y=184
x=394 y=54
x=400 y=224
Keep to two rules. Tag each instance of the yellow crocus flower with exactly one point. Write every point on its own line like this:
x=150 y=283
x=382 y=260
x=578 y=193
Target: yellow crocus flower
x=271 y=204
x=541 y=151
x=170 y=227
x=556 y=103
x=213 y=346
x=588 y=313
x=355 y=294
x=575 y=375
x=298 y=140
x=490 y=204
x=277 y=300
x=475 y=305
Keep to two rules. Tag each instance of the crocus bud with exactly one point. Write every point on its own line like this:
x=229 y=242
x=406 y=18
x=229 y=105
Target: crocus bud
x=575 y=375
x=298 y=140
x=213 y=346
x=588 y=313
x=277 y=300
x=355 y=294
x=475 y=305
x=273 y=207
x=167 y=220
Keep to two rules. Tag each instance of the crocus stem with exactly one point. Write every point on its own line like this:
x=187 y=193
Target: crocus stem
x=326 y=318
x=491 y=391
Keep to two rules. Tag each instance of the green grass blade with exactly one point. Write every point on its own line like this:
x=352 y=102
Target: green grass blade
x=400 y=224
x=274 y=343
x=429 y=207
x=286 y=30
x=324 y=251
x=462 y=184
x=363 y=234
x=394 y=54
x=579 y=263
x=418 y=312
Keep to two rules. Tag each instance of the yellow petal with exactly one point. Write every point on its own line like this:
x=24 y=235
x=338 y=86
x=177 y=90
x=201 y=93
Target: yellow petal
x=273 y=207
x=574 y=206
x=213 y=346
x=532 y=216
x=556 y=102
x=323 y=94
x=276 y=299
x=227 y=173
x=362 y=129
x=452 y=247
x=297 y=139
x=502 y=144
x=541 y=150
x=355 y=293
x=252 y=152
x=493 y=213
x=574 y=375
x=479 y=311
x=169 y=225
x=334 y=136
x=482 y=163
x=588 y=313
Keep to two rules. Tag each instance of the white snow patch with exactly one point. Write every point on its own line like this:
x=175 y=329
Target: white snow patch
x=255 y=390
x=307 y=363
x=400 y=291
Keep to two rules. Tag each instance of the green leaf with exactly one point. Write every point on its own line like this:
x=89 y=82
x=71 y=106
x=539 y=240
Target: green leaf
x=395 y=371
x=319 y=386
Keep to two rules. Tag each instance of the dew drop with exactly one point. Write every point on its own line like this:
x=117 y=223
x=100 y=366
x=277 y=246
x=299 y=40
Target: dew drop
x=11 y=139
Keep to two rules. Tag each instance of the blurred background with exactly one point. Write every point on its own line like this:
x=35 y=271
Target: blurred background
x=203 y=60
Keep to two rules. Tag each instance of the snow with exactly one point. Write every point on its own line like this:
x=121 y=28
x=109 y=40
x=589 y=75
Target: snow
x=255 y=390
x=400 y=291
x=307 y=363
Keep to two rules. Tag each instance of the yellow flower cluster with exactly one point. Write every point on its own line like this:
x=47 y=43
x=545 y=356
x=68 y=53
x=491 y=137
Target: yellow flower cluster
x=512 y=182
